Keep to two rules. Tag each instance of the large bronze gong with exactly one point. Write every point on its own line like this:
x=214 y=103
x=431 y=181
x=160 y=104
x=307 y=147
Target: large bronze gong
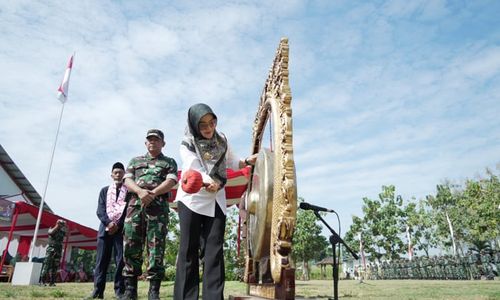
x=271 y=198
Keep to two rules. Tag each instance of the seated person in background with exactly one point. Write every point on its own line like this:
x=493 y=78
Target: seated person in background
x=8 y=257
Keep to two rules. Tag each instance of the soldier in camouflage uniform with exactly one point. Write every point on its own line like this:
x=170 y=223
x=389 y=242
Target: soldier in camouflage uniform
x=446 y=272
x=384 y=270
x=376 y=274
x=457 y=268
x=53 y=253
x=496 y=260
x=423 y=267
x=368 y=271
x=429 y=268
x=149 y=178
x=398 y=269
x=486 y=261
x=474 y=261
x=464 y=267
x=416 y=268
x=439 y=267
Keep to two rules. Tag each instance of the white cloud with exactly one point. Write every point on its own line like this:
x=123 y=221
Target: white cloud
x=484 y=64
x=152 y=41
x=425 y=10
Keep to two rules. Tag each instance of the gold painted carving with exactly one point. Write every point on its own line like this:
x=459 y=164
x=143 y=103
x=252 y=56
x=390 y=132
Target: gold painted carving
x=275 y=106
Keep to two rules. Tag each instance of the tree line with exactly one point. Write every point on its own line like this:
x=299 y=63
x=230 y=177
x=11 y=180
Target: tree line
x=457 y=218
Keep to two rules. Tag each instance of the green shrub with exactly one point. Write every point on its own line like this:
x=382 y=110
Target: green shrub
x=170 y=273
x=9 y=294
x=36 y=294
x=58 y=293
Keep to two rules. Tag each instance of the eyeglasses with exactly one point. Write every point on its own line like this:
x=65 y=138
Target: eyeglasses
x=206 y=125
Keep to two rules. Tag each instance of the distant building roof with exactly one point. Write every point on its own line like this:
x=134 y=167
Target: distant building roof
x=326 y=261
x=20 y=180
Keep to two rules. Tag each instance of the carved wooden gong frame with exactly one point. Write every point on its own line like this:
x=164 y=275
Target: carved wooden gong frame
x=271 y=197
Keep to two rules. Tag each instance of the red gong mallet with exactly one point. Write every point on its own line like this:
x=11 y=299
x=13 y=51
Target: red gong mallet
x=192 y=181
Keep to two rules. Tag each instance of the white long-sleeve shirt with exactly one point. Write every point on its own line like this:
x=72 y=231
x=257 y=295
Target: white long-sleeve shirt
x=203 y=202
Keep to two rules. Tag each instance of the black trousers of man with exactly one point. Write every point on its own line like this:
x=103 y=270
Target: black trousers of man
x=196 y=228
x=106 y=245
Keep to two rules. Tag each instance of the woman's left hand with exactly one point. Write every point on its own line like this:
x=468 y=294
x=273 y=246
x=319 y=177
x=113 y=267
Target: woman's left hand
x=252 y=159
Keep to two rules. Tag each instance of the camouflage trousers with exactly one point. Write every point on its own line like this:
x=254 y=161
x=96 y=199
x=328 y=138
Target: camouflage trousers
x=145 y=226
x=51 y=263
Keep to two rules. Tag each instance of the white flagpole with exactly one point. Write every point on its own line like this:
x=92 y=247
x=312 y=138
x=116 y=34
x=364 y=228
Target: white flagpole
x=33 y=242
x=63 y=92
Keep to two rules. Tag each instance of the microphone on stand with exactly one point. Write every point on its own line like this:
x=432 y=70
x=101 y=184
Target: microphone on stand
x=307 y=206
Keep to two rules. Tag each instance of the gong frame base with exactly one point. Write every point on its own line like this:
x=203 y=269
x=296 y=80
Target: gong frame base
x=283 y=290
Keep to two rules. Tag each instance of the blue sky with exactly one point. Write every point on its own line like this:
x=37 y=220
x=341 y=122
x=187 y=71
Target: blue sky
x=384 y=92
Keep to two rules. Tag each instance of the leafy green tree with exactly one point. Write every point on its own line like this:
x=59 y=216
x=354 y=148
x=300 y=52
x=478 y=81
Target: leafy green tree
x=171 y=245
x=234 y=263
x=421 y=226
x=358 y=228
x=381 y=227
x=481 y=203
x=448 y=215
x=308 y=243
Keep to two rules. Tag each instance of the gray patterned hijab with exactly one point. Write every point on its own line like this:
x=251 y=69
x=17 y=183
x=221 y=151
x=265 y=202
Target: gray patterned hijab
x=212 y=151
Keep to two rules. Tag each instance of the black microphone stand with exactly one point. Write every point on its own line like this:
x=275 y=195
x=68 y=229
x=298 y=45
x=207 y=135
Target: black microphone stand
x=334 y=239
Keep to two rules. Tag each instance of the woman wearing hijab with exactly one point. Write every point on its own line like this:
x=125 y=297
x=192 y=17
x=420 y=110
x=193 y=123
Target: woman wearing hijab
x=202 y=215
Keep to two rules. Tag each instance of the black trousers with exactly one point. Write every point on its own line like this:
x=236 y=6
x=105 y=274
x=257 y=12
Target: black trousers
x=201 y=236
x=105 y=246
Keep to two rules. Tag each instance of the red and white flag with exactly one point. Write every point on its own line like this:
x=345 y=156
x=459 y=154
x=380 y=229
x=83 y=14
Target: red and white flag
x=62 y=91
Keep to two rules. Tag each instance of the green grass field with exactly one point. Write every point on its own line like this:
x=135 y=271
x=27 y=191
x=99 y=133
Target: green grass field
x=320 y=289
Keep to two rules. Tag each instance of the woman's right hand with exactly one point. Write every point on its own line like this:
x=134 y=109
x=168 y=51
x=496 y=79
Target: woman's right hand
x=213 y=187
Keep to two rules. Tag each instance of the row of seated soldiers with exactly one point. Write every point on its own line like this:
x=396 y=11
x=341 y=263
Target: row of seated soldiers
x=483 y=265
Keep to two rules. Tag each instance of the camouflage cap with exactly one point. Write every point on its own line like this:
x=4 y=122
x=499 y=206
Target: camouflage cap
x=155 y=132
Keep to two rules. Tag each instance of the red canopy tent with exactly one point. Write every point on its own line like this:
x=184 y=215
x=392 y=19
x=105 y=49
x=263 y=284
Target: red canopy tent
x=23 y=224
x=25 y=215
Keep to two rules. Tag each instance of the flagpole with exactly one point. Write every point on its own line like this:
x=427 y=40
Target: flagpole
x=40 y=210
